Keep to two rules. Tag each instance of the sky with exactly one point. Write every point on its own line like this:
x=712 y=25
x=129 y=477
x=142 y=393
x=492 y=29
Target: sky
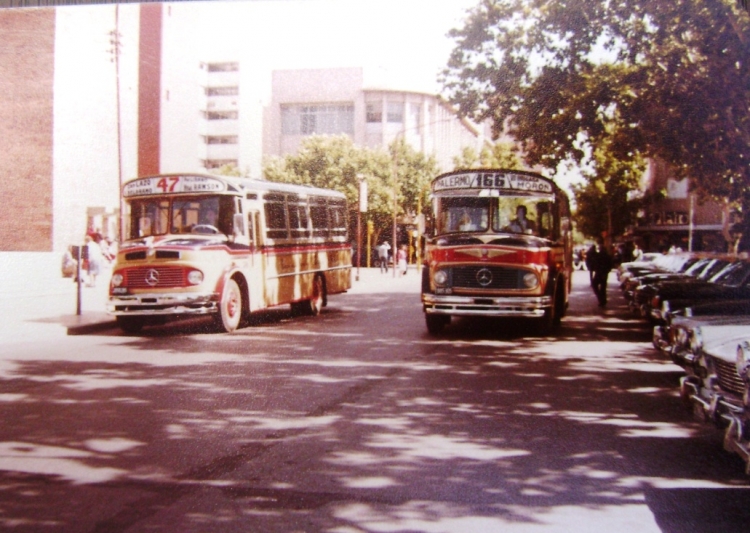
x=405 y=38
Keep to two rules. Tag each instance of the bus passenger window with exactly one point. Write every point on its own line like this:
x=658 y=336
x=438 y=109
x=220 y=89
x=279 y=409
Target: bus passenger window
x=319 y=216
x=275 y=218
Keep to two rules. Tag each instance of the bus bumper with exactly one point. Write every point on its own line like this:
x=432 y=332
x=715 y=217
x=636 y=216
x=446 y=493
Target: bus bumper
x=163 y=304
x=500 y=306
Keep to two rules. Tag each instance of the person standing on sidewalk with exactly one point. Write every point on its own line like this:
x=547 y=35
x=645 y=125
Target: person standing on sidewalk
x=94 y=260
x=383 y=256
x=401 y=256
x=600 y=264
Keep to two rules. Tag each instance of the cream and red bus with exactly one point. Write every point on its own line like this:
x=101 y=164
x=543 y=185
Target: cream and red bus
x=200 y=244
x=500 y=246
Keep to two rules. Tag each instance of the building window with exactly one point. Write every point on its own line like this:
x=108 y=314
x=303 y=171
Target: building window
x=415 y=112
x=375 y=112
x=222 y=91
x=395 y=112
x=221 y=115
x=223 y=67
x=221 y=139
x=209 y=164
x=317 y=119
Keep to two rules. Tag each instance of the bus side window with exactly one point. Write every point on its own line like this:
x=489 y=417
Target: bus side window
x=545 y=219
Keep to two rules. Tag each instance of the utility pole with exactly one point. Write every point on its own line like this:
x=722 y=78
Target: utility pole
x=114 y=41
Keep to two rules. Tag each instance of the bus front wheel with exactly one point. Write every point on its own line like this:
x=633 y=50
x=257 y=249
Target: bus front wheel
x=436 y=323
x=130 y=324
x=230 y=307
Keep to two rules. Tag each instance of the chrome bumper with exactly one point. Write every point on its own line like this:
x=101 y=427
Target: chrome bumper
x=500 y=306
x=163 y=304
x=736 y=438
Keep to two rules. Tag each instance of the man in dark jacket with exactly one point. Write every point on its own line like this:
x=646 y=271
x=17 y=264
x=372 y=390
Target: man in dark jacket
x=599 y=263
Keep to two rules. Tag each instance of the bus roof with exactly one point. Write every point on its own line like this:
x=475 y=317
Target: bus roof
x=473 y=181
x=192 y=183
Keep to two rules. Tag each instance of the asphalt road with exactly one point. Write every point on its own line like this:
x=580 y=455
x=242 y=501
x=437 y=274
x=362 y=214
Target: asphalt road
x=358 y=421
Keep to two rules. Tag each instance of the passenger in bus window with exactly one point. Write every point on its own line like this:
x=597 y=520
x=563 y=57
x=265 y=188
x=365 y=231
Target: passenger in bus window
x=521 y=224
x=465 y=223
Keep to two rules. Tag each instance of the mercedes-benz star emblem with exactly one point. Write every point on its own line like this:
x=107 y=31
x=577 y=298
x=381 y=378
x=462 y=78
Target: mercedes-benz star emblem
x=484 y=277
x=152 y=277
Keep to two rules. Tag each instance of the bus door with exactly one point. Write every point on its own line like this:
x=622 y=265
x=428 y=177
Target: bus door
x=257 y=264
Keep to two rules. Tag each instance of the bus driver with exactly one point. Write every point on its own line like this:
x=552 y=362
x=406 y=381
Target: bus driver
x=521 y=224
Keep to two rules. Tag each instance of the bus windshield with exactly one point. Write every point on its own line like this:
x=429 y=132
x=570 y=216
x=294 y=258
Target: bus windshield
x=195 y=215
x=505 y=214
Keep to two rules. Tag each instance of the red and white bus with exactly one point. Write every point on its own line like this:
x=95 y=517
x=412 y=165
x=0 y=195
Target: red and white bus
x=200 y=244
x=501 y=246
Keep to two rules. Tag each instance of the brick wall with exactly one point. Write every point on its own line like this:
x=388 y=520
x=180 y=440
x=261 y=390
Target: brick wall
x=26 y=106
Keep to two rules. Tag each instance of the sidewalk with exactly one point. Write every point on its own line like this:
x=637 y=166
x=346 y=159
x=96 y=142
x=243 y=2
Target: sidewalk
x=37 y=301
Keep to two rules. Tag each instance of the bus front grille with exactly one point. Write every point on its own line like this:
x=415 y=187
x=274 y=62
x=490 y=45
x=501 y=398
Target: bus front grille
x=158 y=277
x=488 y=277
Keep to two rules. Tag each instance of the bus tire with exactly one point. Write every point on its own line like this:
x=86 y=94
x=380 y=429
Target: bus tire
x=317 y=299
x=436 y=323
x=553 y=314
x=130 y=324
x=230 y=307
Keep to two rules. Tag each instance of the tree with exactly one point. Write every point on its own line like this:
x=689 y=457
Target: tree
x=643 y=78
x=498 y=155
x=335 y=162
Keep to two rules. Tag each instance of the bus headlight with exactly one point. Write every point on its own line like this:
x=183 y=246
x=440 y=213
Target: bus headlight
x=440 y=277
x=195 y=277
x=530 y=280
x=117 y=280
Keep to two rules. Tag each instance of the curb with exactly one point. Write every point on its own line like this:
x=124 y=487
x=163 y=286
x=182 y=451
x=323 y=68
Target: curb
x=94 y=327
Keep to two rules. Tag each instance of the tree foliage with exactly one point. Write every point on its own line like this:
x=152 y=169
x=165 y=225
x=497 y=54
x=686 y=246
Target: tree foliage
x=632 y=78
x=498 y=155
x=335 y=162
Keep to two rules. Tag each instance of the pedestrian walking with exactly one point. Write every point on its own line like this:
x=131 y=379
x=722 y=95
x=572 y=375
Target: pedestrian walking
x=94 y=260
x=383 y=250
x=401 y=255
x=599 y=262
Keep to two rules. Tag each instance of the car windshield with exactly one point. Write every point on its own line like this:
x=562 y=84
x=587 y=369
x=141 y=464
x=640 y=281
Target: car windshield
x=734 y=275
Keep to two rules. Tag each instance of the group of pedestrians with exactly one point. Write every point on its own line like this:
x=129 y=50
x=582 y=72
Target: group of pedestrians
x=95 y=253
x=383 y=250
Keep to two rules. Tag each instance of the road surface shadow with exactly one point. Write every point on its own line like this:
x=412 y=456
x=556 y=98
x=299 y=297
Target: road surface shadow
x=358 y=420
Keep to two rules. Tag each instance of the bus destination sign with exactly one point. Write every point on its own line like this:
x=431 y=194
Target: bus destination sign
x=510 y=181
x=172 y=184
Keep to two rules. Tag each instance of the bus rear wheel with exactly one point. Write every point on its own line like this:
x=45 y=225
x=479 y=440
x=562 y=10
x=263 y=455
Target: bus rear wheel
x=314 y=305
x=230 y=307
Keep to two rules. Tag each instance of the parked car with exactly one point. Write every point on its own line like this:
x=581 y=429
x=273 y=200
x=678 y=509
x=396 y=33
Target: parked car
x=647 y=263
x=675 y=328
x=678 y=266
x=731 y=283
x=719 y=390
x=737 y=415
x=650 y=286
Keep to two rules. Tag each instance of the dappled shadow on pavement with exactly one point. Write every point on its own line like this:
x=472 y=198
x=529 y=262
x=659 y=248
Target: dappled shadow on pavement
x=357 y=420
